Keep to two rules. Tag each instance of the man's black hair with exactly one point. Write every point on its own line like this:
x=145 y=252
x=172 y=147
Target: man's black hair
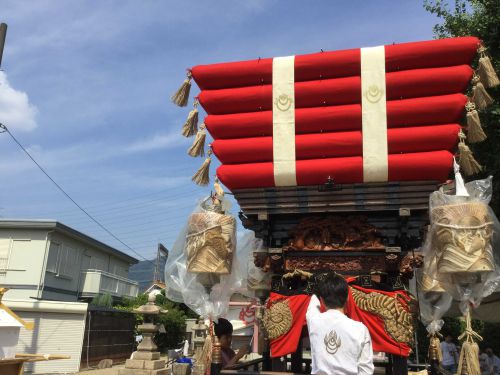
x=223 y=327
x=333 y=289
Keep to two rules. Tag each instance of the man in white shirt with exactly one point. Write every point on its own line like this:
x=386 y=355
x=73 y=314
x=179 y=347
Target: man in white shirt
x=339 y=345
x=450 y=354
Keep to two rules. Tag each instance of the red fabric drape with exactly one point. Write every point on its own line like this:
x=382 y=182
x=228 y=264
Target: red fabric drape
x=340 y=144
x=381 y=340
x=430 y=166
x=335 y=64
x=399 y=85
x=288 y=342
x=445 y=109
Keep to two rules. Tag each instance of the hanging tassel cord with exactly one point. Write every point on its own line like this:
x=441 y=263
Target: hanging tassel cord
x=469 y=334
x=480 y=96
x=198 y=146
x=486 y=69
x=475 y=132
x=181 y=96
x=468 y=363
x=435 y=353
x=190 y=127
x=468 y=163
x=202 y=175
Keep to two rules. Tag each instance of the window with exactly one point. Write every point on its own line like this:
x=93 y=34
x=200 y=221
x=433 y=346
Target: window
x=97 y=263
x=4 y=254
x=53 y=256
x=62 y=260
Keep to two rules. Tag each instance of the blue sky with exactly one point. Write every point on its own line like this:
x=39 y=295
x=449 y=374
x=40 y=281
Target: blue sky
x=86 y=85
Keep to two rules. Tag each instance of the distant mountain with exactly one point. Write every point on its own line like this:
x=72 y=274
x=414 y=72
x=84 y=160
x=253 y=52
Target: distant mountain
x=143 y=272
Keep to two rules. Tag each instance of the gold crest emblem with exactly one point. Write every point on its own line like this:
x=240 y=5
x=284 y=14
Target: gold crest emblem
x=283 y=102
x=373 y=94
x=332 y=342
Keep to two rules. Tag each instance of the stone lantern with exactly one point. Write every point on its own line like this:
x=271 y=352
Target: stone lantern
x=199 y=336
x=146 y=360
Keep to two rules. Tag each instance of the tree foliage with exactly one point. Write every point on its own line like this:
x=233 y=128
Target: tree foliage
x=103 y=300
x=480 y=18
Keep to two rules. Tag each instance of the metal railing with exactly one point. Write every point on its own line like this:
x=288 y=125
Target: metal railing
x=95 y=282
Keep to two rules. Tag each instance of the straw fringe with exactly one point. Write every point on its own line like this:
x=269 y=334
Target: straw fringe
x=475 y=132
x=181 y=96
x=467 y=161
x=201 y=177
x=486 y=70
x=480 y=96
x=190 y=127
x=198 y=146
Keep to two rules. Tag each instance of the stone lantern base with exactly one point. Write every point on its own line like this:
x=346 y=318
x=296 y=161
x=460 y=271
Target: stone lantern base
x=144 y=363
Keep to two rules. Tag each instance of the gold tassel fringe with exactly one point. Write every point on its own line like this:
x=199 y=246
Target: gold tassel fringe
x=181 y=96
x=201 y=177
x=486 y=70
x=468 y=163
x=190 y=127
x=480 y=96
x=198 y=146
x=475 y=132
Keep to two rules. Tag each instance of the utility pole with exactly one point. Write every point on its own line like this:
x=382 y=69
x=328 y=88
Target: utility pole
x=162 y=250
x=3 y=34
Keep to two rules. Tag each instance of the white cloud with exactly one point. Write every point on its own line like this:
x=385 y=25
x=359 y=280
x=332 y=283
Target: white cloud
x=15 y=109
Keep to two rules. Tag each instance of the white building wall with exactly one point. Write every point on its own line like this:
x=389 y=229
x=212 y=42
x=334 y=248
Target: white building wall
x=59 y=329
x=25 y=251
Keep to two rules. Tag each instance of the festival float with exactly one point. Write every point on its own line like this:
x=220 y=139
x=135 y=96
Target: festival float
x=339 y=161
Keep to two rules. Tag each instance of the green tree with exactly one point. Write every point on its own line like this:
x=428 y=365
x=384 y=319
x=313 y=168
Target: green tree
x=480 y=18
x=103 y=300
x=174 y=320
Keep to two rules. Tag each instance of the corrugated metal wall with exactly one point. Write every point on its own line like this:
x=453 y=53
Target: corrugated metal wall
x=54 y=333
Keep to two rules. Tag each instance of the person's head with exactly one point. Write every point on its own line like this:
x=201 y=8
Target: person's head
x=224 y=331
x=489 y=351
x=448 y=338
x=333 y=291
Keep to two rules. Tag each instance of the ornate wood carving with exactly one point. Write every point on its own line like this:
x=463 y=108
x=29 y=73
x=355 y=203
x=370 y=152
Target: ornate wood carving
x=364 y=263
x=335 y=233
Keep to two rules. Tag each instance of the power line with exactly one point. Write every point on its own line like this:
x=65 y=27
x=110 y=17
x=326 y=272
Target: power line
x=116 y=205
x=6 y=130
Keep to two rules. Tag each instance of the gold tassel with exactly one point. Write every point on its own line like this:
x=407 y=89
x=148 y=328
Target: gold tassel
x=468 y=363
x=479 y=94
x=467 y=162
x=191 y=125
x=435 y=353
x=486 y=70
x=181 y=96
x=198 y=146
x=218 y=189
x=475 y=132
x=201 y=177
